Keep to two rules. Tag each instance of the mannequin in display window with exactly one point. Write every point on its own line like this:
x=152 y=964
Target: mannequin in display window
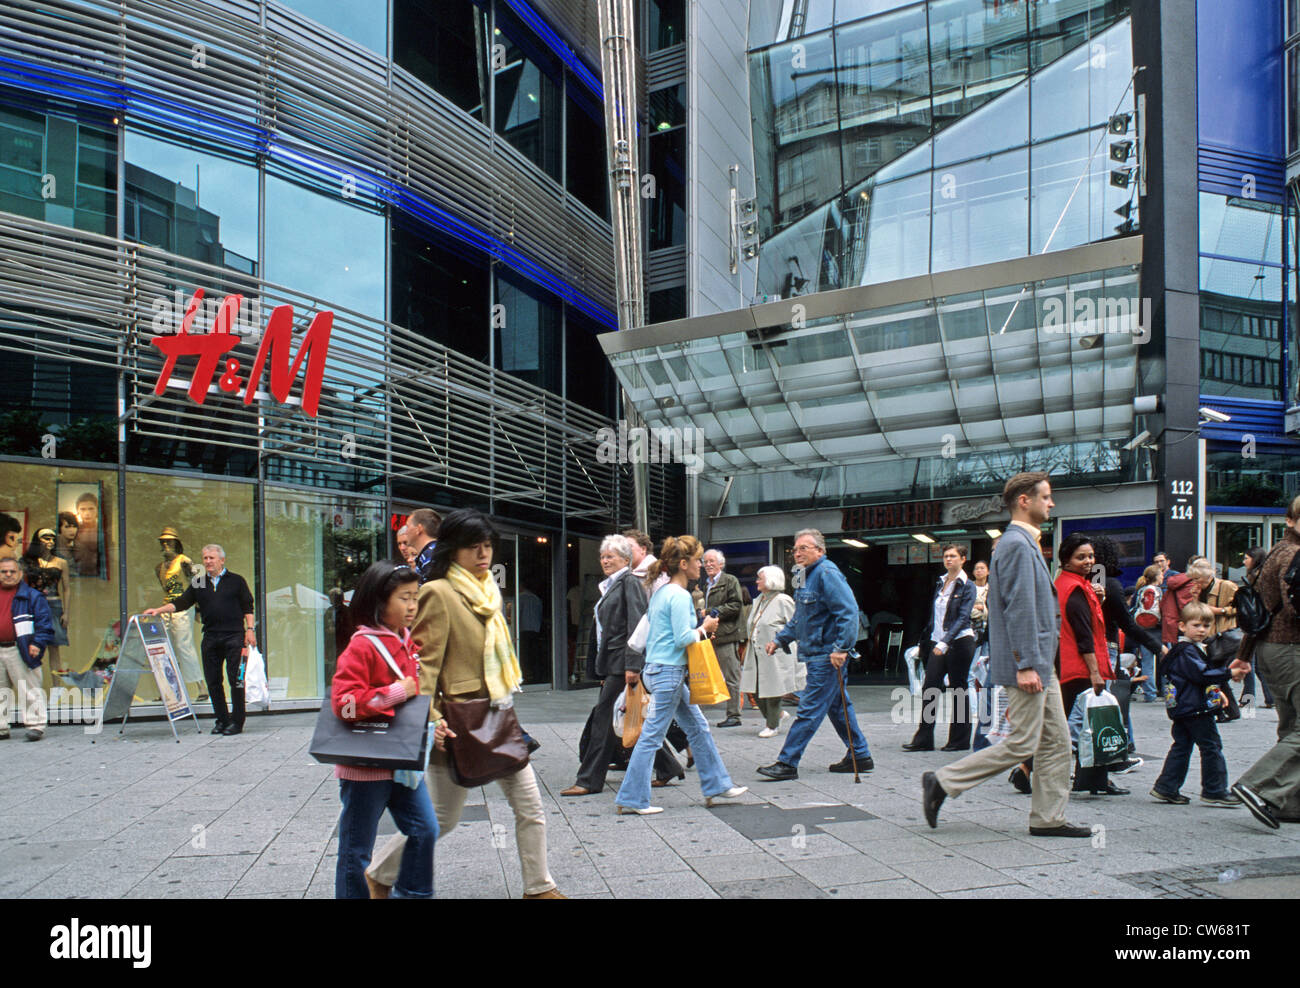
x=175 y=572
x=65 y=544
x=46 y=572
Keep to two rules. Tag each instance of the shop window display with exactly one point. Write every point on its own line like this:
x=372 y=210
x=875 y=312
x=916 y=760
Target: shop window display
x=58 y=523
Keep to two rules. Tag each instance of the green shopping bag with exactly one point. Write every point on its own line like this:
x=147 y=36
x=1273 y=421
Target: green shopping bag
x=1102 y=741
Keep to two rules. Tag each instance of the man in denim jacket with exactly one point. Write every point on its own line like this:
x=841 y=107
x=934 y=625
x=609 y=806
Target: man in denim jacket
x=825 y=624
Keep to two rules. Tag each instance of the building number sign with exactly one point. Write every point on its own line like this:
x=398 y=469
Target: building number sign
x=1183 y=491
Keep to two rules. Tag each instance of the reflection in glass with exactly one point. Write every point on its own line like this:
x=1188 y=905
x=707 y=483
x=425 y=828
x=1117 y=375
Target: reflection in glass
x=528 y=342
x=667 y=210
x=324 y=247
x=1241 y=336
x=529 y=104
x=440 y=288
x=57 y=170
x=884 y=90
x=987 y=218
x=190 y=203
x=364 y=21
x=438 y=41
x=589 y=380
x=665 y=24
x=586 y=175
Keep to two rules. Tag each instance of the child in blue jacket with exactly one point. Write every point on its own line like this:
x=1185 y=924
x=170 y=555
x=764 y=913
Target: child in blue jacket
x=1193 y=695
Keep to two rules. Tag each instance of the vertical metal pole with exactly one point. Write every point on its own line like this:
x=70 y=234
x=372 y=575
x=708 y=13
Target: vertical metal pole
x=618 y=68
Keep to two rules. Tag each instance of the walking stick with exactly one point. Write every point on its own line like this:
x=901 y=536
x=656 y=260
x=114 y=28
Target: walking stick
x=844 y=700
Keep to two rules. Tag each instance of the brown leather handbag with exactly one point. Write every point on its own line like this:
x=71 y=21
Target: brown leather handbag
x=489 y=743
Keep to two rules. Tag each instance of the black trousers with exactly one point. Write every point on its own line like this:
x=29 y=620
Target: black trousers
x=599 y=746
x=224 y=648
x=1094 y=778
x=955 y=664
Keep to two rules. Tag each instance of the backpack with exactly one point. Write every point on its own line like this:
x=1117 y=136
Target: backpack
x=1146 y=613
x=1253 y=617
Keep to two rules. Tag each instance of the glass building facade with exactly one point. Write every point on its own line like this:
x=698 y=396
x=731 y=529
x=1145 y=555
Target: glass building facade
x=428 y=196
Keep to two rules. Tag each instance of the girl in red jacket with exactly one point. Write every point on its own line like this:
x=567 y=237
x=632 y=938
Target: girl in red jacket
x=376 y=673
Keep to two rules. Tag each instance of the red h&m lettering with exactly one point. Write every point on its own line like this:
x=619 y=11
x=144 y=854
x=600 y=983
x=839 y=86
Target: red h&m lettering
x=279 y=334
x=276 y=345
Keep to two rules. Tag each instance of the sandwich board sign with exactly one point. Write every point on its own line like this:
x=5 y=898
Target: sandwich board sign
x=147 y=648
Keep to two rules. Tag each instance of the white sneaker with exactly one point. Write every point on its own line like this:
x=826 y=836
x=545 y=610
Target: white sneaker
x=785 y=715
x=647 y=811
x=732 y=793
x=767 y=732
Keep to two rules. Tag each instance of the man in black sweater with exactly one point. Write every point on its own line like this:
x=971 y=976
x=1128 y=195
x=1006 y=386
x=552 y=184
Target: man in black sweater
x=226 y=606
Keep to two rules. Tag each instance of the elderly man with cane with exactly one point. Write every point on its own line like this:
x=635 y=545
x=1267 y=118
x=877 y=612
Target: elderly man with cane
x=825 y=624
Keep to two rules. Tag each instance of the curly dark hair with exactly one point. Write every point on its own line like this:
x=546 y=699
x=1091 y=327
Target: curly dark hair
x=1107 y=553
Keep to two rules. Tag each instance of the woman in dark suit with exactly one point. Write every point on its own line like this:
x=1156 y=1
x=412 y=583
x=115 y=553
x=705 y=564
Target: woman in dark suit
x=949 y=644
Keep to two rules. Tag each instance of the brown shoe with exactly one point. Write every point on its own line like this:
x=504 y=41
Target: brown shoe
x=548 y=894
x=575 y=790
x=377 y=889
x=659 y=783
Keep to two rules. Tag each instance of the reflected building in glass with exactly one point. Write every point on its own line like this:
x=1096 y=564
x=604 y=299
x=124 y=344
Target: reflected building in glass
x=404 y=205
x=956 y=239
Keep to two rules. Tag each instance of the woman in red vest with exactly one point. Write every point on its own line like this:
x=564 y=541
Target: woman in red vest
x=1085 y=659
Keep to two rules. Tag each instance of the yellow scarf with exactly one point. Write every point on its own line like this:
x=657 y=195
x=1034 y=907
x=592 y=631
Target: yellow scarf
x=500 y=666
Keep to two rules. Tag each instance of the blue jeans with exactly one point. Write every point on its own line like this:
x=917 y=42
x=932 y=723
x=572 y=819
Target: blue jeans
x=1201 y=732
x=363 y=804
x=821 y=697
x=1147 y=663
x=672 y=699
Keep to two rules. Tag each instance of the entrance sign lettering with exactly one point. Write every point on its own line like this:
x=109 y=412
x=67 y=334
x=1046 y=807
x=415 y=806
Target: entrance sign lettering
x=868 y=518
x=275 y=350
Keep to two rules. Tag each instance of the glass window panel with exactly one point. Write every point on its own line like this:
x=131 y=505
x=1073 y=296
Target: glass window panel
x=898 y=229
x=1242 y=228
x=528 y=344
x=590 y=380
x=884 y=90
x=587 y=177
x=814 y=346
x=1240 y=329
x=529 y=98
x=988 y=218
x=1292 y=100
x=796 y=134
x=667 y=109
x=963 y=317
x=666 y=304
x=1083 y=85
x=1067 y=212
x=60 y=171
x=667 y=225
x=324 y=247
x=665 y=24
x=190 y=203
x=440 y=289
x=977 y=52
x=364 y=21
x=444 y=44
x=317 y=548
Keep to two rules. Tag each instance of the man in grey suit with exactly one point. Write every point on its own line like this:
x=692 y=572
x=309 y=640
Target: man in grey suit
x=1024 y=622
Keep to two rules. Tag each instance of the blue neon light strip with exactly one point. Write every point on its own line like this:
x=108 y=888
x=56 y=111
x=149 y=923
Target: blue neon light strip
x=557 y=44
x=126 y=99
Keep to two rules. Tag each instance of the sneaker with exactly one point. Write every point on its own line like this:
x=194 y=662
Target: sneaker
x=1227 y=800
x=735 y=792
x=1125 y=767
x=767 y=732
x=785 y=715
x=1177 y=799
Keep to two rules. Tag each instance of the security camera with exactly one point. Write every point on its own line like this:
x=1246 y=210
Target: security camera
x=1214 y=416
x=1141 y=439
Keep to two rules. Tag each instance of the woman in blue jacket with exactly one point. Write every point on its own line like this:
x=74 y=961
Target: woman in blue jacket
x=948 y=643
x=672 y=627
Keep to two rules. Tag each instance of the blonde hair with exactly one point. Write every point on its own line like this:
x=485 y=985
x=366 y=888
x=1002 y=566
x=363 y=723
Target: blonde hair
x=1293 y=509
x=1150 y=576
x=1202 y=569
x=1194 y=610
x=673 y=553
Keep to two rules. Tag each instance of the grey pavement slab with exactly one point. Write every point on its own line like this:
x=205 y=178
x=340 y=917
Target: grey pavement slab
x=118 y=815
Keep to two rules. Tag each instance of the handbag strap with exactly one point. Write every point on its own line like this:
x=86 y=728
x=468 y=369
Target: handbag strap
x=387 y=658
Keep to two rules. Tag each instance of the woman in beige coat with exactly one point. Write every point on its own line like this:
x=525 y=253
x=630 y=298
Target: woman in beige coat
x=770 y=677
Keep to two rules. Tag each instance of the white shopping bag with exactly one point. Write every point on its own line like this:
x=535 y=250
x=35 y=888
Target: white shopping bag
x=915 y=670
x=255 y=688
x=1001 y=728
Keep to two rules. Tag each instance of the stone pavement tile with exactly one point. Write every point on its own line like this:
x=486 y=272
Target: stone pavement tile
x=267 y=895
x=998 y=892
x=1009 y=820
x=898 y=888
x=485 y=888
x=842 y=869
x=24 y=863
x=202 y=869
x=955 y=832
x=222 y=839
x=151 y=889
x=792 y=887
x=1008 y=853
x=951 y=874
x=863 y=832
x=1274 y=887
x=669 y=885
x=896 y=851
x=1074 y=881
x=719 y=868
x=805 y=846
x=595 y=895
x=624 y=863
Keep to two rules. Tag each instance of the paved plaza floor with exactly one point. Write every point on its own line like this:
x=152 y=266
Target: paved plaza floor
x=138 y=815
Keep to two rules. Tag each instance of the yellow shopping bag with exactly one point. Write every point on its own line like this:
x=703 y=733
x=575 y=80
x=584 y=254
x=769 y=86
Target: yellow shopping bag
x=705 y=675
